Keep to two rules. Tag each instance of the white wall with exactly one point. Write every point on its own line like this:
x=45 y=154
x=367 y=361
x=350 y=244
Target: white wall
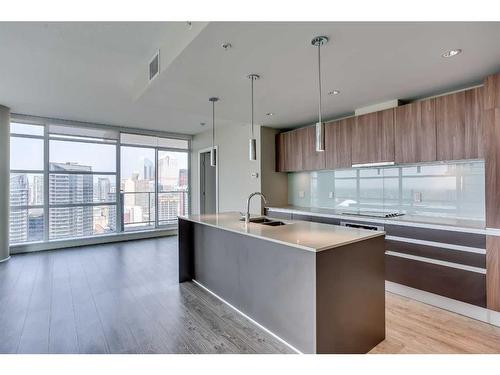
x=235 y=181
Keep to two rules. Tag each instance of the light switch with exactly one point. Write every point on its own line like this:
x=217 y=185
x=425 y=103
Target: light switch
x=330 y=195
x=302 y=194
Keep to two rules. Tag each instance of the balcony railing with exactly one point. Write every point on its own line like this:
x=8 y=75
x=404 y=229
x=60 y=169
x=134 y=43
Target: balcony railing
x=141 y=210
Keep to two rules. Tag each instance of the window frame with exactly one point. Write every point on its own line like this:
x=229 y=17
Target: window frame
x=156 y=222
x=46 y=123
x=28 y=171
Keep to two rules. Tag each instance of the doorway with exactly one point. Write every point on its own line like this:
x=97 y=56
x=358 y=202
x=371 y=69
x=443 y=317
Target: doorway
x=208 y=184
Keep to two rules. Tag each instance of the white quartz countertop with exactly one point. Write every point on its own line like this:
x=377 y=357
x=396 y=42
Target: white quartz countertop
x=300 y=234
x=431 y=222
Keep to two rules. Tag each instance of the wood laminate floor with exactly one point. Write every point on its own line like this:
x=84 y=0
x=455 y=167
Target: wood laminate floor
x=125 y=298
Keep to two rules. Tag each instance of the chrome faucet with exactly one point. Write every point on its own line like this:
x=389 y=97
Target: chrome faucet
x=247 y=214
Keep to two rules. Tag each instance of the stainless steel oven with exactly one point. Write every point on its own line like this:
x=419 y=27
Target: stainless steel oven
x=362 y=226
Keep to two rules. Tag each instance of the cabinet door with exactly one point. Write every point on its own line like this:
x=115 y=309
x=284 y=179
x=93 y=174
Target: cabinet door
x=373 y=137
x=280 y=153
x=450 y=122
x=290 y=151
x=415 y=132
x=294 y=150
x=460 y=125
x=474 y=124
x=338 y=143
x=311 y=159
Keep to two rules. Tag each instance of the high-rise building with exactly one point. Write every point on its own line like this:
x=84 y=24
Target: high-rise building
x=168 y=175
x=67 y=189
x=36 y=193
x=149 y=169
x=168 y=208
x=19 y=196
x=103 y=189
x=183 y=178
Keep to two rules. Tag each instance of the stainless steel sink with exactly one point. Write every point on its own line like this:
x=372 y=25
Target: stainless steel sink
x=266 y=221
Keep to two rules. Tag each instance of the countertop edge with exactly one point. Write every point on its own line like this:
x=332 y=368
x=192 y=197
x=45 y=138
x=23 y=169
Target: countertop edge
x=289 y=244
x=305 y=211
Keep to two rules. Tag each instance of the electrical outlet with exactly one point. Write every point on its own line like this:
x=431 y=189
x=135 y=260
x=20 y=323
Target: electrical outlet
x=417 y=197
x=302 y=194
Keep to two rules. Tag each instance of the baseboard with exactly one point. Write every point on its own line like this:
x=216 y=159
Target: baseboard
x=95 y=240
x=462 y=308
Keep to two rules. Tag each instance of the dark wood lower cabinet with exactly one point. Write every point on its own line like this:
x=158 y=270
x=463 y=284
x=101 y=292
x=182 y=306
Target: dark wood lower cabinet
x=438 y=235
x=438 y=253
x=447 y=281
x=458 y=284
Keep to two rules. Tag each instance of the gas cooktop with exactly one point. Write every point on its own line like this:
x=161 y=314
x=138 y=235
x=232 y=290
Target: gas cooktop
x=374 y=214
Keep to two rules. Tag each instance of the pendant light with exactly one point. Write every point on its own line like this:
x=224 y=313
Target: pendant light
x=252 y=143
x=320 y=126
x=213 y=156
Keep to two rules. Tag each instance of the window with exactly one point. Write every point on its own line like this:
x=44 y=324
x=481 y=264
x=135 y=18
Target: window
x=64 y=181
x=82 y=185
x=154 y=180
x=26 y=183
x=26 y=129
x=138 y=187
x=172 y=186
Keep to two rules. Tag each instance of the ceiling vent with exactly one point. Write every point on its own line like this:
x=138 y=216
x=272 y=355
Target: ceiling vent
x=154 y=66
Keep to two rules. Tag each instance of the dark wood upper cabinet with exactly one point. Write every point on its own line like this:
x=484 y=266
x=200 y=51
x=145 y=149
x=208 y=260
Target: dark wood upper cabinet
x=474 y=124
x=280 y=152
x=415 y=132
x=459 y=125
x=449 y=127
x=338 y=143
x=373 y=137
x=290 y=151
x=311 y=159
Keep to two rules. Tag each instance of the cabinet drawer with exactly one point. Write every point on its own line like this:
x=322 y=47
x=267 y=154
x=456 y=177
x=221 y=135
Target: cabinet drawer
x=462 y=285
x=438 y=235
x=439 y=253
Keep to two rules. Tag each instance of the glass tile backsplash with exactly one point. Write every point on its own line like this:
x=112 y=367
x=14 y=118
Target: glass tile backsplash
x=441 y=189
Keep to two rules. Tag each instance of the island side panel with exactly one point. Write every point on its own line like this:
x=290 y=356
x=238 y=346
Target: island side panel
x=350 y=297
x=186 y=250
x=272 y=283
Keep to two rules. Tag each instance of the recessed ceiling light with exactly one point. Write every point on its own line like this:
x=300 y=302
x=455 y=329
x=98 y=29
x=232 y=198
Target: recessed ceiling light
x=334 y=92
x=451 y=53
x=269 y=114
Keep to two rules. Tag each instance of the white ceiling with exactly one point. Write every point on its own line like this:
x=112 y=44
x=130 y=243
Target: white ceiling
x=90 y=71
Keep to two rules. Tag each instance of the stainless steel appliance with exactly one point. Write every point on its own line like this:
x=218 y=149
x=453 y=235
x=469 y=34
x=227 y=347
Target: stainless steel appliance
x=362 y=226
x=374 y=214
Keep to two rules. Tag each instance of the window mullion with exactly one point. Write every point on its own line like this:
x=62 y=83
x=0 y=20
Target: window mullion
x=46 y=184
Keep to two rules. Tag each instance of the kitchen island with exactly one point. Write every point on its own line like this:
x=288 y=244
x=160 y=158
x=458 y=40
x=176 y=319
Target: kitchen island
x=318 y=287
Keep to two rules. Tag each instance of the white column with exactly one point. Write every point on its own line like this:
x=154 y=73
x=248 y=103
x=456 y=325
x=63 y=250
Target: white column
x=4 y=181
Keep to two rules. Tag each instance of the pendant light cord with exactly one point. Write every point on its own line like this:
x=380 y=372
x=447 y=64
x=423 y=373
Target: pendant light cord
x=252 y=79
x=319 y=80
x=213 y=124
